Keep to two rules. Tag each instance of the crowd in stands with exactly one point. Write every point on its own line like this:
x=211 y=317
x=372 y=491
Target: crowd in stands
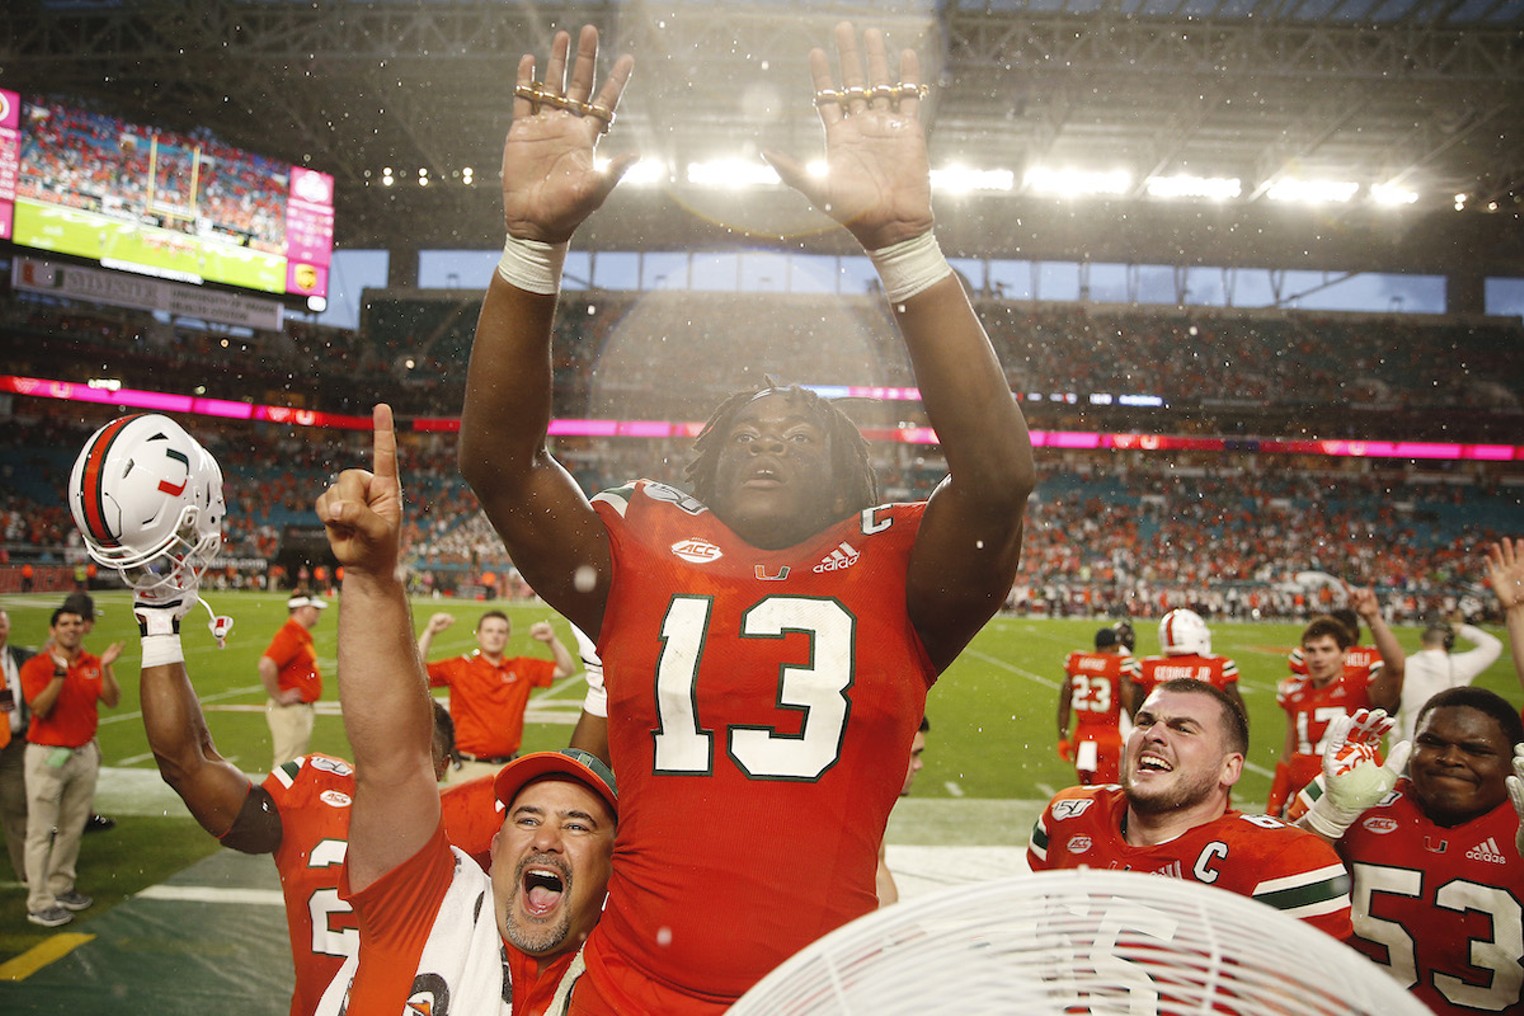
x=1391 y=377
x=1107 y=533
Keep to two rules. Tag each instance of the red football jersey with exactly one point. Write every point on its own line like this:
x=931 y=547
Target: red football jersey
x=1218 y=671
x=1368 y=657
x=1095 y=686
x=1442 y=908
x=1252 y=855
x=313 y=796
x=1311 y=709
x=761 y=709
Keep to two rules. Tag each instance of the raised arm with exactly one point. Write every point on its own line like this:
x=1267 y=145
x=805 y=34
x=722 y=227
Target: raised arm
x=566 y=664
x=382 y=687
x=1505 y=571
x=1386 y=689
x=878 y=186
x=550 y=185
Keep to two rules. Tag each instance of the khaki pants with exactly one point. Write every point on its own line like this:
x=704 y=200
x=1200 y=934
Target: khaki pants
x=60 y=788
x=290 y=729
x=13 y=800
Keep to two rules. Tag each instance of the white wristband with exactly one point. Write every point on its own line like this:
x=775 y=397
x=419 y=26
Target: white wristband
x=1329 y=820
x=911 y=266
x=160 y=650
x=531 y=265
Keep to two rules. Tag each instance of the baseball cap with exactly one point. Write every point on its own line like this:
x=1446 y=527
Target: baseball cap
x=1106 y=637
x=81 y=604
x=582 y=766
x=303 y=600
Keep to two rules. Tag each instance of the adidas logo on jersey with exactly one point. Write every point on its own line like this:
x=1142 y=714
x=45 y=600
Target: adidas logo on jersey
x=1172 y=870
x=843 y=555
x=1488 y=851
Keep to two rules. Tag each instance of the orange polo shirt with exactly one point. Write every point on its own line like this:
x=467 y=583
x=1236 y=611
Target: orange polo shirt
x=295 y=660
x=75 y=715
x=487 y=700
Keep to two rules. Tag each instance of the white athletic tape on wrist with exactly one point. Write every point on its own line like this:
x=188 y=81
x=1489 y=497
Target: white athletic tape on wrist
x=1329 y=820
x=159 y=650
x=909 y=267
x=531 y=265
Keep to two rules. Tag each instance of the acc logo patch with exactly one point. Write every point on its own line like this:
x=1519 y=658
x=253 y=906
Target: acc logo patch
x=697 y=551
x=335 y=799
x=1070 y=808
x=1079 y=844
x=1380 y=824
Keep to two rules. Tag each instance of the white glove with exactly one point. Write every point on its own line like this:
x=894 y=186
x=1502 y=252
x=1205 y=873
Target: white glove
x=596 y=702
x=1516 y=794
x=1352 y=779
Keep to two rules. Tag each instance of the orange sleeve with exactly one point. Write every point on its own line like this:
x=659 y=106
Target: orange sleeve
x=282 y=647
x=440 y=673
x=544 y=673
x=35 y=675
x=396 y=914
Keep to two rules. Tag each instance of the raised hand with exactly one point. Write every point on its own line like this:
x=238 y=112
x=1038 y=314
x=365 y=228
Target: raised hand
x=1505 y=571
x=550 y=182
x=1363 y=601
x=1353 y=778
x=362 y=512
x=877 y=182
x=1516 y=794
x=541 y=631
x=439 y=622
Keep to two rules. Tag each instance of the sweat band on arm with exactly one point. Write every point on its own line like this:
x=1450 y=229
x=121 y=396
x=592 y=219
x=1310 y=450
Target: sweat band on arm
x=160 y=650
x=531 y=265
x=911 y=266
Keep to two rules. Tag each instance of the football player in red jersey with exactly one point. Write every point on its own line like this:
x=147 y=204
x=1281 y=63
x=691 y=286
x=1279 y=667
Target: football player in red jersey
x=767 y=640
x=1187 y=645
x=299 y=815
x=1171 y=815
x=1438 y=880
x=1331 y=688
x=1097 y=687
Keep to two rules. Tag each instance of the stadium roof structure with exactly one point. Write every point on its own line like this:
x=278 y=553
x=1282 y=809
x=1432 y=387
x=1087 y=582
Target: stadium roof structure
x=1423 y=95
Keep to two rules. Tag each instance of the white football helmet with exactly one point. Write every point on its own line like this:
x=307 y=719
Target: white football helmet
x=1183 y=632
x=147 y=499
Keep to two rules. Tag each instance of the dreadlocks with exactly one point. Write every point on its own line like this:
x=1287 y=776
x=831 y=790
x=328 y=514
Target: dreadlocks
x=856 y=482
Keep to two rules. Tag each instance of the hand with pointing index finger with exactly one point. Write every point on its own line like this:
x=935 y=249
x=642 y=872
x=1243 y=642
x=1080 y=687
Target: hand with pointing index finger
x=362 y=512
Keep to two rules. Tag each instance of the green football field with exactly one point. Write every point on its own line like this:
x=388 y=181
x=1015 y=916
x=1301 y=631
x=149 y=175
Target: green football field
x=992 y=718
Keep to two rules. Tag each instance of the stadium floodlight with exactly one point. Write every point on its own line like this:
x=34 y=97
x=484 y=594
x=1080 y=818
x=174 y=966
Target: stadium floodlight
x=1073 y=183
x=1058 y=942
x=1312 y=192
x=732 y=174
x=964 y=180
x=1392 y=195
x=645 y=173
x=1183 y=185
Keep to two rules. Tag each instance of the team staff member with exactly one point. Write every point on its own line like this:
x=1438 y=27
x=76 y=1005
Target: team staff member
x=489 y=691
x=13 y=724
x=1171 y=815
x=427 y=939
x=64 y=688
x=1097 y=688
x=1438 y=883
x=1437 y=666
x=289 y=671
x=767 y=642
x=1331 y=687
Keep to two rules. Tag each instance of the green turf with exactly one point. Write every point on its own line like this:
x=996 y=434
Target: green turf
x=992 y=713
